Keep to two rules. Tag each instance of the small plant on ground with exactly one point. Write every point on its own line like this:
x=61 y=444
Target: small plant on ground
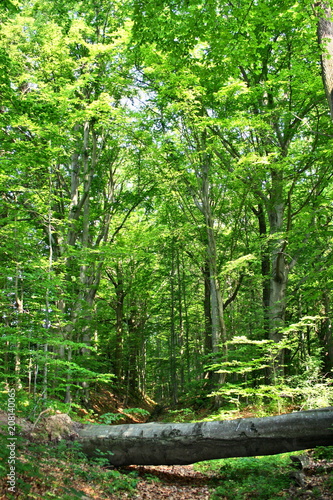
x=138 y=412
x=122 y=482
x=323 y=453
x=53 y=471
x=112 y=418
x=260 y=478
x=182 y=415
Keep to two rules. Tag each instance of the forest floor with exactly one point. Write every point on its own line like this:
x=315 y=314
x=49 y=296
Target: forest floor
x=56 y=480
x=46 y=470
x=172 y=483
x=186 y=483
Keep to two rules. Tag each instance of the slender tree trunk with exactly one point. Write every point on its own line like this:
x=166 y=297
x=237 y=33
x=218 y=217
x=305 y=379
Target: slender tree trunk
x=187 y=325
x=325 y=39
x=47 y=294
x=279 y=267
x=216 y=302
x=136 y=349
x=265 y=263
x=181 y=324
x=45 y=373
x=215 y=339
x=208 y=348
x=326 y=334
x=20 y=310
x=173 y=334
x=120 y=297
x=68 y=396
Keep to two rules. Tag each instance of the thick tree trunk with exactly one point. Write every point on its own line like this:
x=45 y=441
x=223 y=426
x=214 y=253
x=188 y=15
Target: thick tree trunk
x=179 y=444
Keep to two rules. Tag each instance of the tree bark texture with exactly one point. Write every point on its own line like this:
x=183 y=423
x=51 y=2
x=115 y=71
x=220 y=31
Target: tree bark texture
x=279 y=267
x=183 y=443
x=216 y=302
x=325 y=39
x=265 y=263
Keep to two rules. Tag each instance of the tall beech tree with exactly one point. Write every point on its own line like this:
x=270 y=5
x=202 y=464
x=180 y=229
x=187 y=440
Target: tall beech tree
x=70 y=128
x=257 y=109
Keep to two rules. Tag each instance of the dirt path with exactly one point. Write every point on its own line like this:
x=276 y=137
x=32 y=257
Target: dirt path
x=184 y=483
x=172 y=483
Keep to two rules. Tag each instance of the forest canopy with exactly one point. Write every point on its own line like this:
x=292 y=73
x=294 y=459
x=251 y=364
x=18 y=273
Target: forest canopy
x=166 y=200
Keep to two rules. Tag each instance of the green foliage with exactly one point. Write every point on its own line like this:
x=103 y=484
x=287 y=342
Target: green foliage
x=26 y=471
x=329 y=482
x=323 y=452
x=111 y=418
x=67 y=494
x=72 y=464
x=141 y=412
x=96 y=472
x=143 y=166
x=249 y=362
x=102 y=457
x=182 y=415
x=260 y=477
x=251 y=488
x=122 y=482
x=70 y=451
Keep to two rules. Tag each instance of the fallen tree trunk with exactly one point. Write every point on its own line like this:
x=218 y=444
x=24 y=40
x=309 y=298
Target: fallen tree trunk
x=179 y=444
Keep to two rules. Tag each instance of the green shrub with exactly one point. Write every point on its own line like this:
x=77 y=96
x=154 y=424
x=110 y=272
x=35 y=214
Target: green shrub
x=182 y=415
x=323 y=452
x=112 y=418
x=122 y=482
x=262 y=478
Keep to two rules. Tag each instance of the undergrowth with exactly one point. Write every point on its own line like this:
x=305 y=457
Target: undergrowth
x=62 y=471
x=260 y=478
x=59 y=471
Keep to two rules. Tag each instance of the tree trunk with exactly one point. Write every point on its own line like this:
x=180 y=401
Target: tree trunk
x=208 y=347
x=279 y=268
x=216 y=302
x=326 y=334
x=325 y=39
x=179 y=444
x=118 y=282
x=173 y=331
x=265 y=263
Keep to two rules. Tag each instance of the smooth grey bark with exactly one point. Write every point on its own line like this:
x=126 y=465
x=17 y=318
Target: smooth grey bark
x=216 y=302
x=265 y=262
x=325 y=39
x=179 y=443
x=275 y=207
